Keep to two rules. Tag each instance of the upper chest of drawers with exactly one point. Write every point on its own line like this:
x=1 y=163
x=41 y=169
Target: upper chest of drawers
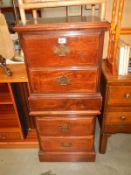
x=63 y=61
x=63 y=57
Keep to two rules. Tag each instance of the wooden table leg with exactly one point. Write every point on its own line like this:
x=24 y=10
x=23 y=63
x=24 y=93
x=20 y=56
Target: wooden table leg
x=103 y=143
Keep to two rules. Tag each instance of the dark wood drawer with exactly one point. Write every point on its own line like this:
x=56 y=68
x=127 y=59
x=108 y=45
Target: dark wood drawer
x=68 y=144
x=62 y=126
x=119 y=95
x=118 y=118
x=9 y=136
x=61 y=48
x=69 y=102
x=44 y=81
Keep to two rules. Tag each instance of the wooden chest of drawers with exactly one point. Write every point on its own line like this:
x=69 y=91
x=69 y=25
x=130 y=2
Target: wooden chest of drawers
x=64 y=64
x=116 y=113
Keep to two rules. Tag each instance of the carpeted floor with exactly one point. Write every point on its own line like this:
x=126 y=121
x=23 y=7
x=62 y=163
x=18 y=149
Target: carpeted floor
x=116 y=161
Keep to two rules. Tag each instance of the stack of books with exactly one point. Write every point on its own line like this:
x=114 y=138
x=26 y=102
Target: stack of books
x=124 y=61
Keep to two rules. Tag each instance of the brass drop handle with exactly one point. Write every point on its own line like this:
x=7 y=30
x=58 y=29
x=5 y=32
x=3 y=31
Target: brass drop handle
x=127 y=96
x=66 y=144
x=64 y=127
x=63 y=80
x=2 y=137
x=123 y=117
x=61 y=50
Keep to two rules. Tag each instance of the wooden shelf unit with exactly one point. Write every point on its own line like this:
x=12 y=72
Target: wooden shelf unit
x=13 y=132
x=114 y=35
x=9 y=112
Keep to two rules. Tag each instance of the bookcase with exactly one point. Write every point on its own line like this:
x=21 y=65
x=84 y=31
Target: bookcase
x=10 y=125
x=114 y=35
x=16 y=128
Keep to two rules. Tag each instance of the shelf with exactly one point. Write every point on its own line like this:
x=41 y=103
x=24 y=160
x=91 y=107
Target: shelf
x=29 y=142
x=7 y=113
x=5 y=98
x=116 y=31
x=15 y=126
x=124 y=31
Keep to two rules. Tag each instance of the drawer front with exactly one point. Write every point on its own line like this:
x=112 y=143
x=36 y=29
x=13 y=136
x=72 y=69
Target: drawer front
x=67 y=144
x=119 y=95
x=68 y=103
x=65 y=127
x=63 y=81
x=117 y=128
x=118 y=118
x=61 y=48
x=9 y=136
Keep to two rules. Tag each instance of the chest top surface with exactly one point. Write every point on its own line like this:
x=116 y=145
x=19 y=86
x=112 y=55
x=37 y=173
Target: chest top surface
x=115 y=79
x=63 y=24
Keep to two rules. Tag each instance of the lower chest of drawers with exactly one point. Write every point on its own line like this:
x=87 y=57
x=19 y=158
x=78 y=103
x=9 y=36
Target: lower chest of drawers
x=65 y=125
x=66 y=136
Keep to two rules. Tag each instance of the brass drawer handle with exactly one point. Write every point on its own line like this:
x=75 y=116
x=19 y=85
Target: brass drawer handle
x=64 y=127
x=66 y=144
x=63 y=80
x=127 y=96
x=3 y=137
x=61 y=50
x=123 y=117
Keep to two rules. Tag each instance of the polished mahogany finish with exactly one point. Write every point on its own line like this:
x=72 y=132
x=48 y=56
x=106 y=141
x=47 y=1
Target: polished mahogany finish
x=67 y=156
x=116 y=110
x=63 y=58
x=65 y=102
x=67 y=144
x=9 y=136
x=120 y=95
x=52 y=81
x=79 y=56
x=65 y=125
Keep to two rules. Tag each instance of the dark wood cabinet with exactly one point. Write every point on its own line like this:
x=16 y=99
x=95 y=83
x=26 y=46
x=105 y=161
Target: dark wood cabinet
x=63 y=58
x=116 y=111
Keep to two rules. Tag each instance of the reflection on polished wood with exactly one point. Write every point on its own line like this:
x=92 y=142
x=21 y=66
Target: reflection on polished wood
x=19 y=74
